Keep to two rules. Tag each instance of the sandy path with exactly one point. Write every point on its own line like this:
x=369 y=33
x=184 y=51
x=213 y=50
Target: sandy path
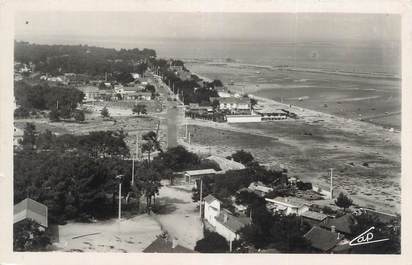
x=179 y=216
x=131 y=235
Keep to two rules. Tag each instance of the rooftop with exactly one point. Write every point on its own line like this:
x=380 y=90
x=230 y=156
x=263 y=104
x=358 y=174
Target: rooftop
x=314 y=215
x=210 y=198
x=226 y=164
x=322 y=239
x=201 y=172
x=342 y=224
x=233 y=223
x=88 y=89
x=290 y=201
x=164 y=245
x=232 y=100
x=30 y=209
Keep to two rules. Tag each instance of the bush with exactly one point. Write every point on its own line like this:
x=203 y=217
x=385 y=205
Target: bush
x=21 y=112
x=79 y=116
x=54 y=115
x=29 y=236
x=212 y=243
x=105 y=112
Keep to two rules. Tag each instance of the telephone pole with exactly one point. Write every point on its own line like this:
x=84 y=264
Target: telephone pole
x=135 y=156
x=331 y=183
x=201 y=193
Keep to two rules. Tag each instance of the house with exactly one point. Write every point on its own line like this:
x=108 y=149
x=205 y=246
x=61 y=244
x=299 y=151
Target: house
x=190 y=176
x=211 y=209
x=91 y=93
x=233 y=103
x=164 y=244
x=313 y=218
x=341 y=224
x=137 y=96
x=287 y=205
x=31 y=209
x=184 y=75
x=135 y=76
x=240 y=208
x=228 y=225
x=226 y=164
x=222 y=221
x=274 y=116
x=196 y=108
x=322 y=240
x=259 y=188
x=243 y=118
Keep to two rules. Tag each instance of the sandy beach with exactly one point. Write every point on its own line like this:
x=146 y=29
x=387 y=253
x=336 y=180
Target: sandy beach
x=366 y=157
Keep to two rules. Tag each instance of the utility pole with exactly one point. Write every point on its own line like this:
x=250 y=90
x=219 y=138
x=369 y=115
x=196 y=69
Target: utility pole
x=331 y=183
x=135 y=157
x=201 y=193
x=120 y=201
x=119 y=178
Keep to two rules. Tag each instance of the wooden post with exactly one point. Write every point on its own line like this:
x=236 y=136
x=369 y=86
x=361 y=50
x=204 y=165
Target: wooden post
x=201 y=193
x=331 y=183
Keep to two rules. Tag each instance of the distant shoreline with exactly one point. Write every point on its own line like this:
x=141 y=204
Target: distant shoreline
x=378 y=75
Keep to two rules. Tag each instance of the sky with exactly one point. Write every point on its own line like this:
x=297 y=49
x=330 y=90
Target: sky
x=250 y=26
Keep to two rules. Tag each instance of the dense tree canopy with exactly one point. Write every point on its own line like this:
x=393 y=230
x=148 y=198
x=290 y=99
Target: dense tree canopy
x=343 y=201
x=63 y=101
x=56 y=59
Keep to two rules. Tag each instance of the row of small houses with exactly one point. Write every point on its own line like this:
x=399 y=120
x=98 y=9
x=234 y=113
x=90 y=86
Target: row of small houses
x=327 y=234
x=93 y=93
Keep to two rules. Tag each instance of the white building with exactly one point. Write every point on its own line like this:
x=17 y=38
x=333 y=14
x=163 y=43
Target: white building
x=233 y=103
x=192 y=175
x=259 y=188
x=243 y=118
x=212 y=209
x=287 y=205
x=222 y=221
x=91 y=93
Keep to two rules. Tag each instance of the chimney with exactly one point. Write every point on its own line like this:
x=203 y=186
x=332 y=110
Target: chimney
x=225 y=218
x=333 y=228
x=174 y=242
x=338 y=235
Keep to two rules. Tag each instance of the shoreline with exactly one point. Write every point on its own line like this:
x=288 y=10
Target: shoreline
x=317 y=70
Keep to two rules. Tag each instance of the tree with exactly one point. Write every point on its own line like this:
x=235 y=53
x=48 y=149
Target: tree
x=21 y=112
x=139 y=109
x=343 y=201
x=212 y=243
x=150 y=181
x=217 y=83
x=29 y=236
x=253 y=102
x=29 y=136
x=243 y=157
x=105 y=112
x=45 y=140
x=150 y=88
x=151 y=144
x=79 y=116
